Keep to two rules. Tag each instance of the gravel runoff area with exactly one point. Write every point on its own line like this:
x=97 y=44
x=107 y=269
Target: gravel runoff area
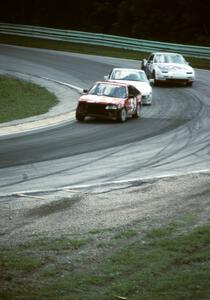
x=150 y=203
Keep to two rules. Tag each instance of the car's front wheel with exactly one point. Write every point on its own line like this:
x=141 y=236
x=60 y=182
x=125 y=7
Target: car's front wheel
x=154 y=77
x=80 y=117
x=122 y=115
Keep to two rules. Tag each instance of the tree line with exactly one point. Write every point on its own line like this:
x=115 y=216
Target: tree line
x=179 y=21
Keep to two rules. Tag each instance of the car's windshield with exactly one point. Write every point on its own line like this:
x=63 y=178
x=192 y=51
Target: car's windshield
x=110 y=90
x=128 y=75
x=174 y=58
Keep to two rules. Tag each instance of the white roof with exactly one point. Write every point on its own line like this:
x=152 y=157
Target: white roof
x=129 y=69
x=167 y=53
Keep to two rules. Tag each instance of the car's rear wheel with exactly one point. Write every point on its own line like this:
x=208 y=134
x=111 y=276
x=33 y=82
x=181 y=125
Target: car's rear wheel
x=122 y=115
x=80 y=117
x=138 y=112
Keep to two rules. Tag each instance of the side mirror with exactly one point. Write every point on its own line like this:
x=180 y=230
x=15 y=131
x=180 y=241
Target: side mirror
x=106 y=77
x=85 y=91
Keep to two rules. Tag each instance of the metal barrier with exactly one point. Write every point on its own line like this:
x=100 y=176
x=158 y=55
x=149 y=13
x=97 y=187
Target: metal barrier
x=103 y=40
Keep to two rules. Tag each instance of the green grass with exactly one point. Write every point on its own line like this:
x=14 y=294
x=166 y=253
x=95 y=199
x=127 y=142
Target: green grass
x=54 y=244
x=159 y=264
x=89 y=49
x=20 y=99
x=125 y=234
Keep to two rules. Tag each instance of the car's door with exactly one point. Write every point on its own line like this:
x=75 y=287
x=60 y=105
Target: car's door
x=132 y=100
x=150 y=67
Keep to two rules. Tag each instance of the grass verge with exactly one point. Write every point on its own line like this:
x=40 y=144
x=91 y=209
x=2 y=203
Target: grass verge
x=158 y=264
x=20 y=99
x=89 y=49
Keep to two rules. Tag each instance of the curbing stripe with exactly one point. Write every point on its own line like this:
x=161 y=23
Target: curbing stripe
x=76 y=188
x=40 y=124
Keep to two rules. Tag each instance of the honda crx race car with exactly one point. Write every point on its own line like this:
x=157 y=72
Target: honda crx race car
x=116 y=101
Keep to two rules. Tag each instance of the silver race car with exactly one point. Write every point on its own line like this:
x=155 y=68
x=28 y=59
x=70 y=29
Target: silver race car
x=170 y=67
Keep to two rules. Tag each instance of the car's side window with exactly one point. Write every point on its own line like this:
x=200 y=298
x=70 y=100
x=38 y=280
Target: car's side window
x=110 y=75
x=157 y=59
x=130 y=92
x=136 y=92
x=150 y=59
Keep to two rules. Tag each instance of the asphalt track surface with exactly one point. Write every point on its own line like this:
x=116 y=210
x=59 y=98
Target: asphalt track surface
x=171 y=138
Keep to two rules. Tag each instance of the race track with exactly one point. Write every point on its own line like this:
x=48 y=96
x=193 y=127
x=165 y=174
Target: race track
x=171 y=138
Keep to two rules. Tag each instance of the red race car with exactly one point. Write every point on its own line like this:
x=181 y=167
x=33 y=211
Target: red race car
x=116 y=101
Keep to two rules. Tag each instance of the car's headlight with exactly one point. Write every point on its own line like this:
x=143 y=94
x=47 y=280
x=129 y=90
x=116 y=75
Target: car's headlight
x=111 y=107
x=147 y=96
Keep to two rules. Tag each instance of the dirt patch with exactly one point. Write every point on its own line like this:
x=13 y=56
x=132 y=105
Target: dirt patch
x=53 y=207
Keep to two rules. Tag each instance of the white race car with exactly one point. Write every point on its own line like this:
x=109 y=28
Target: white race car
x=172 y=67
x=134 y=77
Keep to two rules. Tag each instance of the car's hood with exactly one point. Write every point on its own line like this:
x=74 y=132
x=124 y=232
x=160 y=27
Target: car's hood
x=100 y=99
x=143 y=87
x=175 y=67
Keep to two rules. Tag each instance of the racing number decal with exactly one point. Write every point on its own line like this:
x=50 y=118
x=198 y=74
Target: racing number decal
x=132 y=101
x=132 y=105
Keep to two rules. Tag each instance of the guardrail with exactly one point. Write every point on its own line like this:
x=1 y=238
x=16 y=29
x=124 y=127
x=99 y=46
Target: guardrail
x=100 y=39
